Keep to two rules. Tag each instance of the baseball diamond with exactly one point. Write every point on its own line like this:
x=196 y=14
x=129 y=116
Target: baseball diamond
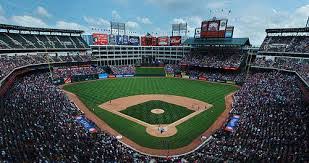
x=95 y=93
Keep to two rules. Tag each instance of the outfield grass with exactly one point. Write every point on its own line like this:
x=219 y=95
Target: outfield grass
x=171 y=113
x=95 y=93
x=150 y=71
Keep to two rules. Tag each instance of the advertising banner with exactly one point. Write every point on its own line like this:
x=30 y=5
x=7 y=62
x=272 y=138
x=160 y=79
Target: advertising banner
x=89 y=126
x=119 y=76
x=229 y=32
x=163 y=41
x=223 y=24
x=100 y=39
x=112 y=39
x=111 y=76
x=67 y=80
x=154 y=41
x=186 y=76
x=119 y=39
x=103 y=76
x=169 y=75
x=125 y=40
x=230 y=68
x=143 y=41
x=197 y=33
x=128 y=75
x=232 y=123
x=134 y=40
x=175 y=40
x=202 y=78
x=204 y=26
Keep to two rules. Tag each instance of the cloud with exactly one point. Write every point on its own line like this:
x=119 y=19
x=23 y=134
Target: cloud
x=115 y=15
x=144 y=20
x=192 y=22
x=3 y=19
x=27 y=20
x=69 y=25
x=254 y=23
x=96 y=21
x=131 y=25
x=42 y=12
x=303 y=10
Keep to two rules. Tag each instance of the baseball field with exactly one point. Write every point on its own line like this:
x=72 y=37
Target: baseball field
x=100 y=94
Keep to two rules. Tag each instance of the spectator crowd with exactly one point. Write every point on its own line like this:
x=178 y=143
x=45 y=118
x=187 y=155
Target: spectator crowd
x=9 y=63
x=300 y=65
x=216 y=76
x=226 y=60
x=294 y=44
x=63 y=72
x=171 y=69
x=273 y=124
x=123 y=70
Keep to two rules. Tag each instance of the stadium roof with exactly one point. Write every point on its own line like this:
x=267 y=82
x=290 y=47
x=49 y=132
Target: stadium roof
x=218 y=41
x=22 y=28
x=287 y=30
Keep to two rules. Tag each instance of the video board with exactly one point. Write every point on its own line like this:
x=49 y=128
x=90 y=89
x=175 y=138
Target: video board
x=213 y=28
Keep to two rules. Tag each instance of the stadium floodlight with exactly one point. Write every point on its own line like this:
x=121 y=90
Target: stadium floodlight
x=116 y=26
x=180 y=28
x=307 y=24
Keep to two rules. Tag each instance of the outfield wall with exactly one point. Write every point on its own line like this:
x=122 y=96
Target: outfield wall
x=150 y=71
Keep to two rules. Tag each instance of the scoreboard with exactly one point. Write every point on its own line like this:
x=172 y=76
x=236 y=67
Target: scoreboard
x=213 y=28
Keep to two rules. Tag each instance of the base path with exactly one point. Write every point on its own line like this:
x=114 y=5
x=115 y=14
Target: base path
x=156 y=152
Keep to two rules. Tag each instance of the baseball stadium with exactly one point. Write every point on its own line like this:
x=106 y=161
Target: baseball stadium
x=106 y=93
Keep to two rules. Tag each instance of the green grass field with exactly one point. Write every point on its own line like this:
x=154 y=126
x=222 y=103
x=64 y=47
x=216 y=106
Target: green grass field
x=94 y=93
x=171 y=113
x=150 y=71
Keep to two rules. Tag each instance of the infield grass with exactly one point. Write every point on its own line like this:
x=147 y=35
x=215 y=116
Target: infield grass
x=171 y=113
x=94 y=93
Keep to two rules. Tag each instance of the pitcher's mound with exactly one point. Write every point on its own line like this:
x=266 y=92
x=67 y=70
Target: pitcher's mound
x=157 y=111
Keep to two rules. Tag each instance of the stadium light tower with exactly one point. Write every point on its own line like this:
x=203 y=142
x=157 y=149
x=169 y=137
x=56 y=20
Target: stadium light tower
x=181 y=27
x=307 y=24
x=118 y=27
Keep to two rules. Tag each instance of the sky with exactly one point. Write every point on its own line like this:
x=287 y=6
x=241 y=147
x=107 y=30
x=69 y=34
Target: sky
x=250 y=18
